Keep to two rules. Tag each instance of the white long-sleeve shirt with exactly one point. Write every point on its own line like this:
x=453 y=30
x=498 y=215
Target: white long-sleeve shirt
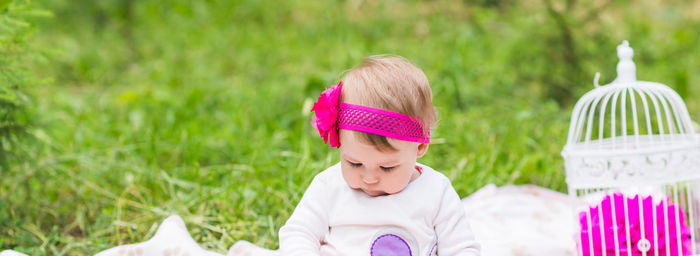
x=334 y=219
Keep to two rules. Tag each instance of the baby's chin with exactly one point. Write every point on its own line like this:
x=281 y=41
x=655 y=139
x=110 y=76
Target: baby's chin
x=374 y=193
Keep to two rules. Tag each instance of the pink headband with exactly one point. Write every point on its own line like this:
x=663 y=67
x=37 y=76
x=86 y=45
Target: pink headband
x=331 y=115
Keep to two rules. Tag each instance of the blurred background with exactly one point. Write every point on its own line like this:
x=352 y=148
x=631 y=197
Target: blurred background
x=117 y=113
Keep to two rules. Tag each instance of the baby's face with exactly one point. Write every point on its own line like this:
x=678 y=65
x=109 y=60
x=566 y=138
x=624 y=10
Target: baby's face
x=375 y=172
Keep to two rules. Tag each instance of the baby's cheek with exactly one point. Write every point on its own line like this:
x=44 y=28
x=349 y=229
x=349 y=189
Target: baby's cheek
x=354 y=184
x=400 y=182
x=352 y=180
x=395 y=186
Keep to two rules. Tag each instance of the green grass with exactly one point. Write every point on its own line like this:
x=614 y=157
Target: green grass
x=201 y=109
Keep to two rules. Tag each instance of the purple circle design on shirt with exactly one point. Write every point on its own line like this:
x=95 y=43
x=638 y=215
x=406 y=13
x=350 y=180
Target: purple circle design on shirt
x=390 y=245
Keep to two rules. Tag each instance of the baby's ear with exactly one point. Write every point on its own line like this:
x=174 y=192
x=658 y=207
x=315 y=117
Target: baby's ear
x=422 y=149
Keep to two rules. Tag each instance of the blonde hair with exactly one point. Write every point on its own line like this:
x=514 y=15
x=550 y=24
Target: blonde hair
x=391 y=83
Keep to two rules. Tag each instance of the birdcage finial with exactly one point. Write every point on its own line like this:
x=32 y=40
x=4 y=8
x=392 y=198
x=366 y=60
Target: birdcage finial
x=626 y=71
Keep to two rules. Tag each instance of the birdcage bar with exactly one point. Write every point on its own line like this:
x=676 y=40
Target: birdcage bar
x=667 y=232
x=656 y=231
x=635 y=123
x=671 y=127
x=573 y=194
x=646 y=113
x=623 y=115
x=582 y=107
x=665 y=227
x=691 y=214
x=601 y=120
x=584 y=104
x=677 y=116
x=657 y=111
x=613 y=135
x=589 y=124
x=615 y=226
x=627 y=225
x=601 y=226
x=641 y=222
x=589 y=221
x=575 y=125
x=678 y=222
x=588 y=106
x=684 y=115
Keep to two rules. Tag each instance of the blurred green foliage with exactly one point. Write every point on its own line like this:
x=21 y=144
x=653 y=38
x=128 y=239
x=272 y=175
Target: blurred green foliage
x=15 y=30
x=201 y=108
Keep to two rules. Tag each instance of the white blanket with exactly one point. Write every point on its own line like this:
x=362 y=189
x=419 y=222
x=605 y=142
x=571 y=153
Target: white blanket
x=522 y=220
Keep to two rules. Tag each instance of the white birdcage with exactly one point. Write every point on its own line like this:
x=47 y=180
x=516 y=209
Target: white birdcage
x=632 y=162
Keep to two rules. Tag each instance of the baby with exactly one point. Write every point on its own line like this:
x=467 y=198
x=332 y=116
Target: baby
x=378 y=200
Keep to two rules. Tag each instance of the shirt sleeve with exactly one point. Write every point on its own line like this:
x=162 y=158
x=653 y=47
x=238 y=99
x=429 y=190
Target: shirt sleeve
x=308 y=225
x=454 y=234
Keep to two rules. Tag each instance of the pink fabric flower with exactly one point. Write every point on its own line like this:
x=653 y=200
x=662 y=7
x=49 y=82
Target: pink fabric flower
x=326 y=115
x=635 y=227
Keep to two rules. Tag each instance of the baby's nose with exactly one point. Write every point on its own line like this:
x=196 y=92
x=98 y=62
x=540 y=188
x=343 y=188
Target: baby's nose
x=369 y=180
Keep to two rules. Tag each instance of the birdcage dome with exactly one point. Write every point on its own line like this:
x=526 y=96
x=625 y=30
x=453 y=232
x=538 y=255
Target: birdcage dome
x=630 y=132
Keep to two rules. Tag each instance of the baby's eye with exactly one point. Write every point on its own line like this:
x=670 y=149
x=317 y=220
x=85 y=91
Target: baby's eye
x=355 y=164
x=387 y=169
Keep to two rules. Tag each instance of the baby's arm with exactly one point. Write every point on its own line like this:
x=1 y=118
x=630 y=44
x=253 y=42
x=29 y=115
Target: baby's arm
x=308 y=225
x=454 y=235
